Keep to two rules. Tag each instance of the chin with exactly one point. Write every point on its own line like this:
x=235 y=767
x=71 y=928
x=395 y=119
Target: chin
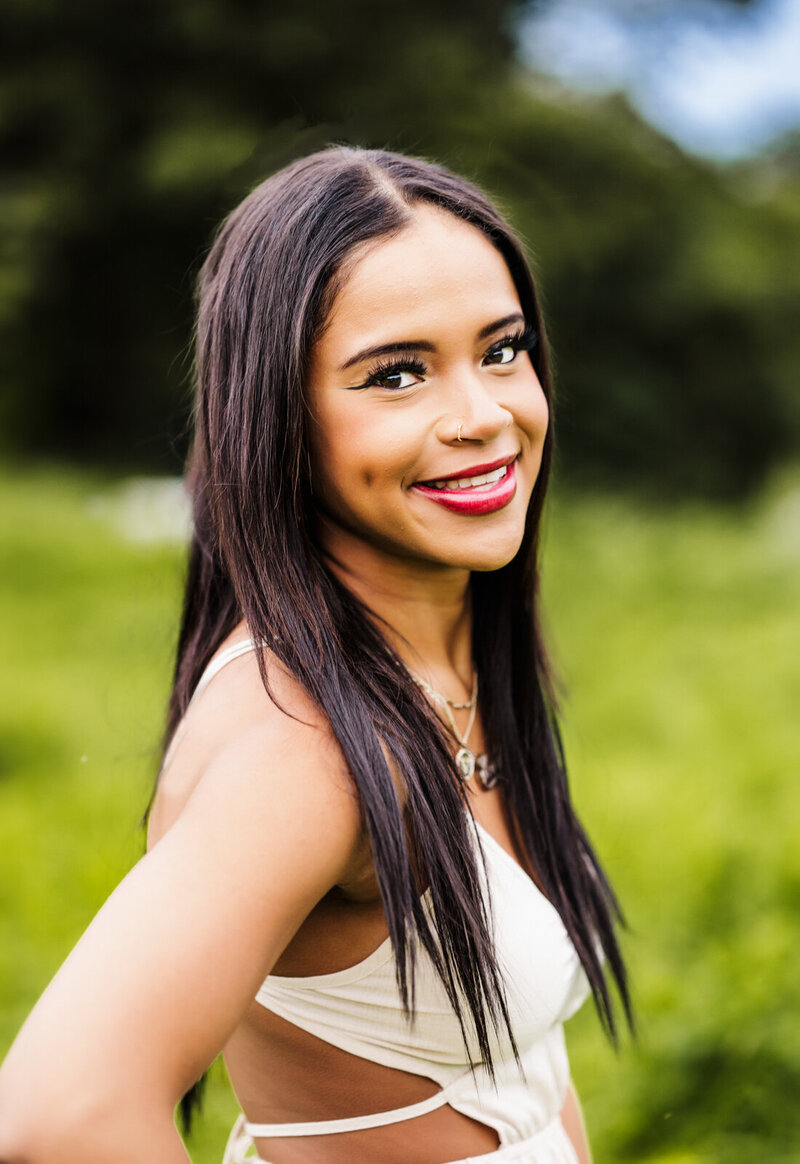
x=493 y=555
x=486 y=564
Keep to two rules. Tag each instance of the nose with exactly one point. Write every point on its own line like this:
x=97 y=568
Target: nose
x=474 y=412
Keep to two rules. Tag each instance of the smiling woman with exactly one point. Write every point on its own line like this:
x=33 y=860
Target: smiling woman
x=407 y=431
x=365 y=883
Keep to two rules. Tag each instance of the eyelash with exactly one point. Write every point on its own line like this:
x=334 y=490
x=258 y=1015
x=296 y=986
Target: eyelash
x=392 y=367
x=521 y=341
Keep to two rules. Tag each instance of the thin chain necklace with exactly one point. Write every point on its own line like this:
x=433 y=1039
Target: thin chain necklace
x=467 y=762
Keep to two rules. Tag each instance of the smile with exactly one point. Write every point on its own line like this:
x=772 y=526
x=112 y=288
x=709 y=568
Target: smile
x=483 y=482
x=482 y=493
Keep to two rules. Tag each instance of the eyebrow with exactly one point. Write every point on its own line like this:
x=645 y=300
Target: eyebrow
x=424 y=345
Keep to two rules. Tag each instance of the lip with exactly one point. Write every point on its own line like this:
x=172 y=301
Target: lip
x=475 y=470
x=475 y=501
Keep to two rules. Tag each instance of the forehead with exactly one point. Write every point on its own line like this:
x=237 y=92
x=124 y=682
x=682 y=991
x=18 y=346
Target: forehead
x=436 y=271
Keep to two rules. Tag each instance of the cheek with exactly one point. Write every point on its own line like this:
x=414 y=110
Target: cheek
x=535 y=415
x=325 y=445
x=354 y=456
x=374 y=446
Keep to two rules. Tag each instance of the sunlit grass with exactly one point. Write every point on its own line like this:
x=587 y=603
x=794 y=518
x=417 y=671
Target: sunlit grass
x=679 y=634
x=678 y=637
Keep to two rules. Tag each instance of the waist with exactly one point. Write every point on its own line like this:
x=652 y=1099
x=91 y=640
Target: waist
x=520 y=1104
x=549 y=1145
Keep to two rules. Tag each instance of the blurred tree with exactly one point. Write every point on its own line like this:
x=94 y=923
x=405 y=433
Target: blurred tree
x=129 y=129
x=671 y=287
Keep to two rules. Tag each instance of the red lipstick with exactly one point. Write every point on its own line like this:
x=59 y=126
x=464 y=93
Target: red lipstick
x=473 y=500
x=476 y=470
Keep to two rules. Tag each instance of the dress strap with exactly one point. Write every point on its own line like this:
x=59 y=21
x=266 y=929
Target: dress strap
x=354 y=1124
x=213 y=668
x=222 y=660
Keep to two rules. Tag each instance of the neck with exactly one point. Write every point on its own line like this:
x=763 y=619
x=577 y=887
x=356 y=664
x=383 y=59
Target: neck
x=423 y=610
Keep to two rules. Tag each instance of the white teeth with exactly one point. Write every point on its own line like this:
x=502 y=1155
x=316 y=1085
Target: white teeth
x=486 y=480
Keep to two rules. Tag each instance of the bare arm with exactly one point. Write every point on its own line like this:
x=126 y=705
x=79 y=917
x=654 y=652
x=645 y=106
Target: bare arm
x=164 y=973
x=572 y=1119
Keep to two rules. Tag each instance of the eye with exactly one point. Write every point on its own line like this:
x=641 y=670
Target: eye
x=505 y=350
x=395 y=375
x=504 y=353
x=399 y=378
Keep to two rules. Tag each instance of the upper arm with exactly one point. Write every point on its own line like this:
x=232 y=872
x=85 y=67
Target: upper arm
x=164 y=973
x=572 y=1119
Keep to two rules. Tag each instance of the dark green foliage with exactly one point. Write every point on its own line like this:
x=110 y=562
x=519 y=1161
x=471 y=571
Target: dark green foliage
x=129 y=129
x=669 y=286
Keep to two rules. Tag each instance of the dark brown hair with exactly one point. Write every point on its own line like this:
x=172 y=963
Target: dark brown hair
x=264 y=293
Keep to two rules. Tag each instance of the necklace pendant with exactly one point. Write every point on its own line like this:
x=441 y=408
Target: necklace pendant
x=465 y=762
x=488 y=775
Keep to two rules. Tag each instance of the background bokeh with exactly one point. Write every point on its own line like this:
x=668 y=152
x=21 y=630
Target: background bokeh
x=668 y=253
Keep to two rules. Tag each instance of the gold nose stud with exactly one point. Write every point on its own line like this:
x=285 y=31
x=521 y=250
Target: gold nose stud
x=459 y=427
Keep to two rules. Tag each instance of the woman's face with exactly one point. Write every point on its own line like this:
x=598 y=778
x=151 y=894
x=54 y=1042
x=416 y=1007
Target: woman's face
x=426 y=342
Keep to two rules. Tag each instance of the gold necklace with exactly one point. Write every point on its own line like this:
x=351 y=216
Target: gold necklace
x=467 y=762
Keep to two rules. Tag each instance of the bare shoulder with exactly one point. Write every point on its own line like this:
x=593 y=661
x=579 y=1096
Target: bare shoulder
x=258 y=829
x=257 y=747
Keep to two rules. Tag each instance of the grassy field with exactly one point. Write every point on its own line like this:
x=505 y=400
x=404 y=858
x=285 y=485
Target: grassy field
x=678 y=638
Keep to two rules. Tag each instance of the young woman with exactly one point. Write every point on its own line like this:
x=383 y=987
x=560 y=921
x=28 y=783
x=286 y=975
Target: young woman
x=365 y=882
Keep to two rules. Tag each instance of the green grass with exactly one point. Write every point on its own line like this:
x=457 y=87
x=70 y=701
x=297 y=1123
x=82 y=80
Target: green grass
x=678 y=636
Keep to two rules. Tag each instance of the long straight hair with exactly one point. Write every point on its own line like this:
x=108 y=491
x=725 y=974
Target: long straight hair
x=264 y=294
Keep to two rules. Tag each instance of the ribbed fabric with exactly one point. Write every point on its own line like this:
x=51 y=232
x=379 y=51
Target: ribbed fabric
x=359 y=1010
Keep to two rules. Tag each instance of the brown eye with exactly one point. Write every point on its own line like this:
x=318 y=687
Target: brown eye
x=504 y=353
x=401 y=378
x=395 y=375
x=506 y=349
